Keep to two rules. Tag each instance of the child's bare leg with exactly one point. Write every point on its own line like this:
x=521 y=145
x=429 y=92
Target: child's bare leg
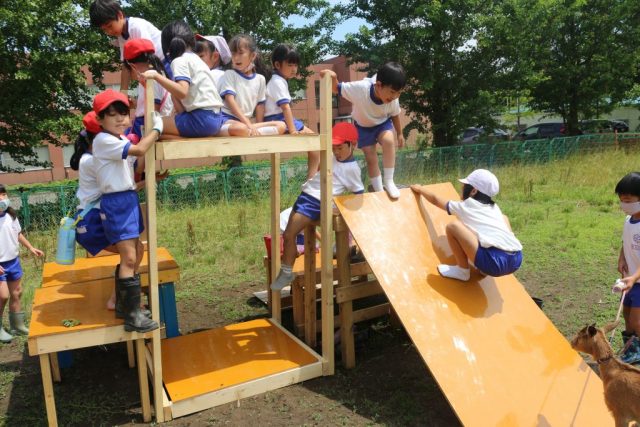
x=139 y=255
x=233 y=128
x=271 y=128
x=297 y=223
x=371 y=156
x=5 y=337
x=313 y=157
x=15 y=292
x=632 y=320
x=388 y=141
x=169 y=126
x=464 y=245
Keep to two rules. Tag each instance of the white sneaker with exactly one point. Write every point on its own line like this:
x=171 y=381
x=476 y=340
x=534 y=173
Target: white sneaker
x=454 y=272
x=392 y=190
x=282 y=280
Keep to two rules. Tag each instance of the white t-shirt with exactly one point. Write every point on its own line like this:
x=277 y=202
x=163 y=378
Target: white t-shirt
x=217 y=74
x=346 y=177
x=9 y=231
x=114 y=172
x=139 y=28
x=161 y=97
x=88 y=188
x=249 y=91
x=486 y=222
x=277 y=94
x=631 y=244
x=203 y=93
x=367 y=112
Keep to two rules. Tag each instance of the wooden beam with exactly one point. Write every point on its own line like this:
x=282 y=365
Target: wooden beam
x=310 y=312
x=276 y=301
x=357 y=290
x=47 y=385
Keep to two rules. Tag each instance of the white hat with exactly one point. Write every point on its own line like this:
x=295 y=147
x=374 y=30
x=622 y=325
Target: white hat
x=483 y=181
x=221 y=47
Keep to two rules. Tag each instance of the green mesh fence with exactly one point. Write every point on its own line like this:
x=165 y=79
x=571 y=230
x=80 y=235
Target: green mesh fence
x=42 y=208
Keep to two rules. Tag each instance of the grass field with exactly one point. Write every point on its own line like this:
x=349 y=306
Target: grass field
x=565 y=213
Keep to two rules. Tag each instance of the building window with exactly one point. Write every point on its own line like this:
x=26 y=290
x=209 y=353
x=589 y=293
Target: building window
x=299 y=95
x=334 y=98
x=67 y=152
x=42 y=155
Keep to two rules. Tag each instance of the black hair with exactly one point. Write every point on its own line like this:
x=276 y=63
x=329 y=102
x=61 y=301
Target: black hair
x=176 y=38
x=117 y=107
x=479 y=196
x=104 y=11
x=392 y=74
x=285 y=53
x=81 y=146
x=241 y=40
x=202 y=43
x=148 y=58
x=10 y=210
x=630 y=184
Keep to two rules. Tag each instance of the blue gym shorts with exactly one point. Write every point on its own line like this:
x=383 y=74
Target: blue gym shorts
x=369 y=136
x=280 y=118
x=121 y=216
x=308 y=206
x=496 y=262
x=632 y=297
x=12 y=270
x=90 y=232
x=198 y=123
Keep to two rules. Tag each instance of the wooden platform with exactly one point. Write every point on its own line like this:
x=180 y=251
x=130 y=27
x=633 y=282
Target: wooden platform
x=226 y=364
x=496 y=356
x=88 y=270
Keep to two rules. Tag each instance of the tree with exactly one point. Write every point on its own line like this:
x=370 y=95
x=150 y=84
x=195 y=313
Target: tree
x=43 y=46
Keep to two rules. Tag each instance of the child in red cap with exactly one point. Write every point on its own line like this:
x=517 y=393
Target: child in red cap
x=113 y=158
x=346 y=177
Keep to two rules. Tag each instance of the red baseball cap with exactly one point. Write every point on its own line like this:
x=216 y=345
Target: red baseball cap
x=136 y=47
x=90 y=122
x=102 y=100
x=344 y=132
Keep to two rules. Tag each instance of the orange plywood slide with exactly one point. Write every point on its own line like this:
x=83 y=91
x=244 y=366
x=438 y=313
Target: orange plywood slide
x=497 y=358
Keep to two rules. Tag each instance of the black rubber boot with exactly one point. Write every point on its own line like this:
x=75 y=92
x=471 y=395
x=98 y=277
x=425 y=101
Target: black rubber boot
x=120 y=297
x=134 y=320
x=626 y=336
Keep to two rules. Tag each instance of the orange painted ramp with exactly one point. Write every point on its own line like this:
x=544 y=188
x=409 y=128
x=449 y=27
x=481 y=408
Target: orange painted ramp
x=497 y=358
x=209 y=361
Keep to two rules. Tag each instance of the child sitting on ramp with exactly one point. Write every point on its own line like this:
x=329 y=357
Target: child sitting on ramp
x=483 y=234
x=346 y=177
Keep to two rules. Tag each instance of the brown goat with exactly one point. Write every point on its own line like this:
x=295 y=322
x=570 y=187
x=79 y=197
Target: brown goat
x=621 y=381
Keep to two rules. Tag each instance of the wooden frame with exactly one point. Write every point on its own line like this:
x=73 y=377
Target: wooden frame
x=273 y=145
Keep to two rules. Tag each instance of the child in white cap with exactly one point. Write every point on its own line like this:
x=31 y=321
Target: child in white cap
x=483 y=234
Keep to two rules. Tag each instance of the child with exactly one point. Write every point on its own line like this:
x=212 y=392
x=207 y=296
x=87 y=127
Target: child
x=214 y=51
x=243 y=90
x=194 y=92
x=10 y=268
x=376 y=113
x=285 y=60
x=483 y=234
x=139 y=56
x=628 y=190
x=109 y=17
x=119 y=206
x=346 y=177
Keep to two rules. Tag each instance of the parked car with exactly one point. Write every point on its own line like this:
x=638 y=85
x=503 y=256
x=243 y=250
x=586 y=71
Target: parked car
x=603 y=126
x=542 y=130
x=475 y=135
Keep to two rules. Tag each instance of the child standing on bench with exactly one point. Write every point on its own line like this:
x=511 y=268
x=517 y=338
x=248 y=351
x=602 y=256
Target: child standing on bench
x=346 y=177
x=376 y=114
x=483 y=234
x=119 y=206
x=10 y=269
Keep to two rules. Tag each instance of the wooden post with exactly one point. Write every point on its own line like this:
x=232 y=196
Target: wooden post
x=152 y=235
x=276 y=301
x=47 y=385
x=326 y=203
x=310 y=316
x=344 y=279
x=143 y=380
x=55 y=367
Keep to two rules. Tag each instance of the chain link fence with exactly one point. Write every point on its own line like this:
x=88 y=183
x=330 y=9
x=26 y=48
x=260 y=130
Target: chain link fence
x=42 y=208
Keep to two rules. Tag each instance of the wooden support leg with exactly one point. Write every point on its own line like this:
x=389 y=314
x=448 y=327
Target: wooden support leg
x=310 y=315
x=131 y=356
x=344 y=279
x=55 y=367
x=297 y=306
x=143 y=380
x=47 y=385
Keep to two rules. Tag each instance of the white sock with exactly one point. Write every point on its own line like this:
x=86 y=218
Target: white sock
x=454 y=272
x=224 y=130
x=286 y=268
x=268 y=130
x=388 y=173
x=393 y=191
x=376 y=182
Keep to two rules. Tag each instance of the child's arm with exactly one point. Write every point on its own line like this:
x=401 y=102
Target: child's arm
x=288 y=118
x=431 y=197
x=630 y=280
x=623 y=268
x=334 y=79
x=179 y=90
x=230 y=99
x=147 y=141
x=506 y=221
x=398 y=127
x=260 y=113
x=125 y=81
x=23 y=240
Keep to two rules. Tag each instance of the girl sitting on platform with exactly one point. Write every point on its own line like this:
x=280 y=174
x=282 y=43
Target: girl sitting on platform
x=10 y=269
x=214 y=51
x=244 y=91
x=194 y=93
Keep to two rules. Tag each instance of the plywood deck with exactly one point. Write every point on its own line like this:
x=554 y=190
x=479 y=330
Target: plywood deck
x=216 y=359
x=86 y=270
x=497 y=358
